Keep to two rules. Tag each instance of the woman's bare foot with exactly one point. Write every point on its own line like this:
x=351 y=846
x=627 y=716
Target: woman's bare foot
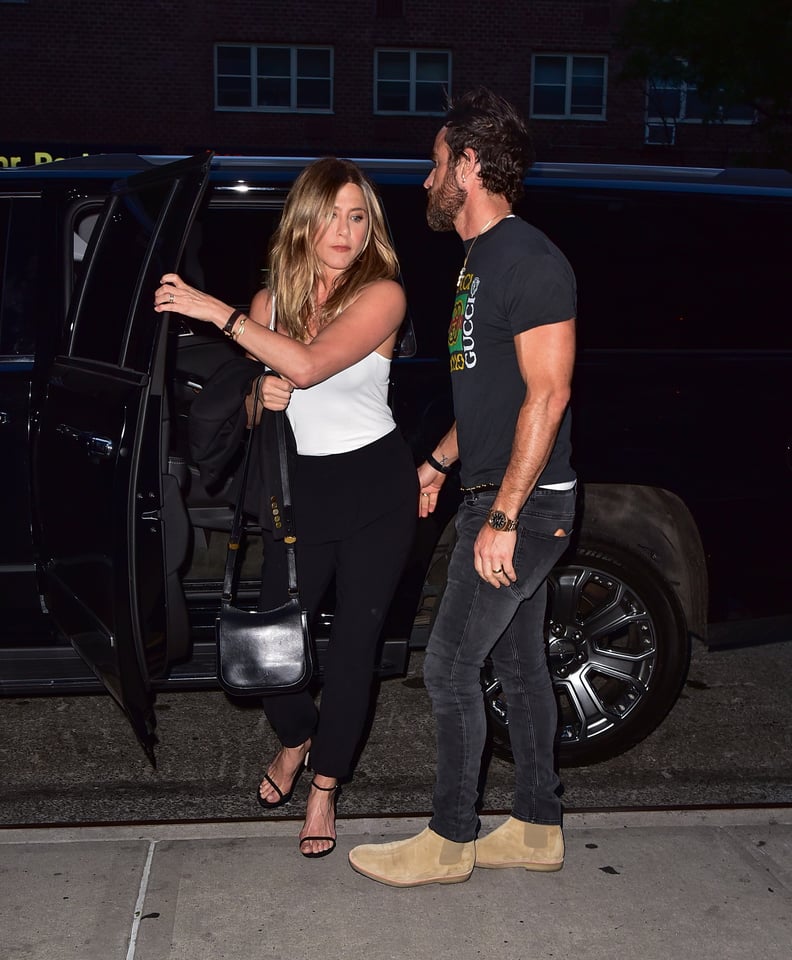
x=276 y=788
x=318 y=835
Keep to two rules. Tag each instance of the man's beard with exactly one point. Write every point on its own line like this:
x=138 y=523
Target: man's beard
x=445 y=204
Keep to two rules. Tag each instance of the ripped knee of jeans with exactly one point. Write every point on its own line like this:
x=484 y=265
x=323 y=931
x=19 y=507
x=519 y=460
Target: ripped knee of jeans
x=560 y=532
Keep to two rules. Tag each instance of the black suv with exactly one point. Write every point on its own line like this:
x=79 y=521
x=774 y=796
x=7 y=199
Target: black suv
x=111 y=548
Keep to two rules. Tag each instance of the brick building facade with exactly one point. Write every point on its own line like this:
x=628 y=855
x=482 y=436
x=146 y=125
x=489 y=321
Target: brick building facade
x=360 y=78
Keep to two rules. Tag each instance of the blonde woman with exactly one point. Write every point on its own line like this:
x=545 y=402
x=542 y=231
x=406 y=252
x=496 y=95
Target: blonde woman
x=328 y=326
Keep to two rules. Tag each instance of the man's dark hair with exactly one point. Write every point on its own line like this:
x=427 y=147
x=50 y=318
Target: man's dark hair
x=489 y=125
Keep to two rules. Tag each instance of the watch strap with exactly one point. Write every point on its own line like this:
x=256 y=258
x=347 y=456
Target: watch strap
x=508 y=526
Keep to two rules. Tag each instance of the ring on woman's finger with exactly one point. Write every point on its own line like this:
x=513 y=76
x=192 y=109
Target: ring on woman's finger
x=499 y=570
x=172 y=298
x=424 y=494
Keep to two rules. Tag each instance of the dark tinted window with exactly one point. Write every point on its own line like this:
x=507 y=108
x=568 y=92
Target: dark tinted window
x=107 y=294
x=430 y=265
x=228 y=246
x=672 y=270
x=20 y=286
x=227 y=250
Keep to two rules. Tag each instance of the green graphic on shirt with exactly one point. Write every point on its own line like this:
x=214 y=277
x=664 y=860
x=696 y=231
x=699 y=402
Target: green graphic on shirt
x=461 y=344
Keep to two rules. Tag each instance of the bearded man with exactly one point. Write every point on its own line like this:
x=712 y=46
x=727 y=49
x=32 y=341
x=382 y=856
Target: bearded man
x=512 y=347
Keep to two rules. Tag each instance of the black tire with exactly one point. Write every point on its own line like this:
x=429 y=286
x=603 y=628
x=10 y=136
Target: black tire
x=618 y=650
x=625 y=705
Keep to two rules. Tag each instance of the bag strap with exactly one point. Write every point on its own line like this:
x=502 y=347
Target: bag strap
x=290 y=536
x=237 y=526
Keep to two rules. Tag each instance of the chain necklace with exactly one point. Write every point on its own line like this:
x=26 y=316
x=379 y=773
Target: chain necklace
x=470 y=248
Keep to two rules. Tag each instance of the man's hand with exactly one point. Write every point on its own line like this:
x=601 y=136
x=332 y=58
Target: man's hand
x=431 y=483
x=493 y=556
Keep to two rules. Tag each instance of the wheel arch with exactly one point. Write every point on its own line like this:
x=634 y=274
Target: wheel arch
x=654 y=523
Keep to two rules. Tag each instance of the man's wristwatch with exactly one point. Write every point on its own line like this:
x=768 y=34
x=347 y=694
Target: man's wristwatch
x=498 y=520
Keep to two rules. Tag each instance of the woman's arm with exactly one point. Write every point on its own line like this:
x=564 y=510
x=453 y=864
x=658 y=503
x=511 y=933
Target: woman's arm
x=369 y=323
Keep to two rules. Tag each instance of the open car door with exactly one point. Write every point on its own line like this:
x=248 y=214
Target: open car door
x=111 y=527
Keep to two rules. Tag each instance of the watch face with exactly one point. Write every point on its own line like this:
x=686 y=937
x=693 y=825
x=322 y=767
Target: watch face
x=497 y=520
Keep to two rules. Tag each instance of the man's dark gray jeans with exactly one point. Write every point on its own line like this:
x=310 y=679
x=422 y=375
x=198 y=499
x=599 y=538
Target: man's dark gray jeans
x=477 y=620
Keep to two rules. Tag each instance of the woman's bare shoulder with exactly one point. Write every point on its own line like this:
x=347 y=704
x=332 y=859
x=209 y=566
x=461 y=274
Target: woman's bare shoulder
x=261 y=306
x=384 y=289
x=261 y=299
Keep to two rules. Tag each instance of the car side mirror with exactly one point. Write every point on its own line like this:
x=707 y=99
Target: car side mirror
x=405 y=341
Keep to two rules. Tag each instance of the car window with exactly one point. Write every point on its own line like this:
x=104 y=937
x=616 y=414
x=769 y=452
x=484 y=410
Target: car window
x=20 y=289
x=666 y=270
x=226 y=252
x=85 y=221
x=108 y=288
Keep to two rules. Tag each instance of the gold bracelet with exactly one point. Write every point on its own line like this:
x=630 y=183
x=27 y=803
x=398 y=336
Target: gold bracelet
x=236 y=334
x=229 y=324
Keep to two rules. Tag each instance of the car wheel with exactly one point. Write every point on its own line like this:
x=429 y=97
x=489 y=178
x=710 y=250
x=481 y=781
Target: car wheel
x=618 y=650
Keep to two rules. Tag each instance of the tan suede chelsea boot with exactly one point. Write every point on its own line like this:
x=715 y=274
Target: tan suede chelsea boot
x=515 y=843
x=425 y=858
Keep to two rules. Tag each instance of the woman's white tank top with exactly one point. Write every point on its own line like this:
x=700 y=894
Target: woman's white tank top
x=345 y=412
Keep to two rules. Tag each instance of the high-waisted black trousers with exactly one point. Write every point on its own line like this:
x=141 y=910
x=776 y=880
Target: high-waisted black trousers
x=366 y=560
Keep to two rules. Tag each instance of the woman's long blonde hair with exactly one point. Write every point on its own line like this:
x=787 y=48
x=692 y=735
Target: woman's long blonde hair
x=295 y=270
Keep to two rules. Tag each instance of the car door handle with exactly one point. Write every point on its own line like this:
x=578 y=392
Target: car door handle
x=94 y=446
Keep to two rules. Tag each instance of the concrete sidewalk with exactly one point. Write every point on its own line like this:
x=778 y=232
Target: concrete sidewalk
x=648 y=885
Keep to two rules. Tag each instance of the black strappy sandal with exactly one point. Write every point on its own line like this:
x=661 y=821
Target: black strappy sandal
x=336 y=790
x=283 y=798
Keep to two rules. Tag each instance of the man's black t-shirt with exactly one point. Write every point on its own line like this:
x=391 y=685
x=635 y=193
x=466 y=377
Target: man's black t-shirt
x=515 y=279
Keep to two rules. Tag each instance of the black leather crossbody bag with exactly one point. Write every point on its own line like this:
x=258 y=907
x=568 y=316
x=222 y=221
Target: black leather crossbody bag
x=263 y=651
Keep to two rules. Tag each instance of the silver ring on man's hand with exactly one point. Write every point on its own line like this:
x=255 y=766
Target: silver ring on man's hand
x=172 y=298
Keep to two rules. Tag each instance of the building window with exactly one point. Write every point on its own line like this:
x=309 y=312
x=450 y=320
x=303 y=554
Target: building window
x=568 y=86
x=670 y=101
x=274 y=79
x=411 y=81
